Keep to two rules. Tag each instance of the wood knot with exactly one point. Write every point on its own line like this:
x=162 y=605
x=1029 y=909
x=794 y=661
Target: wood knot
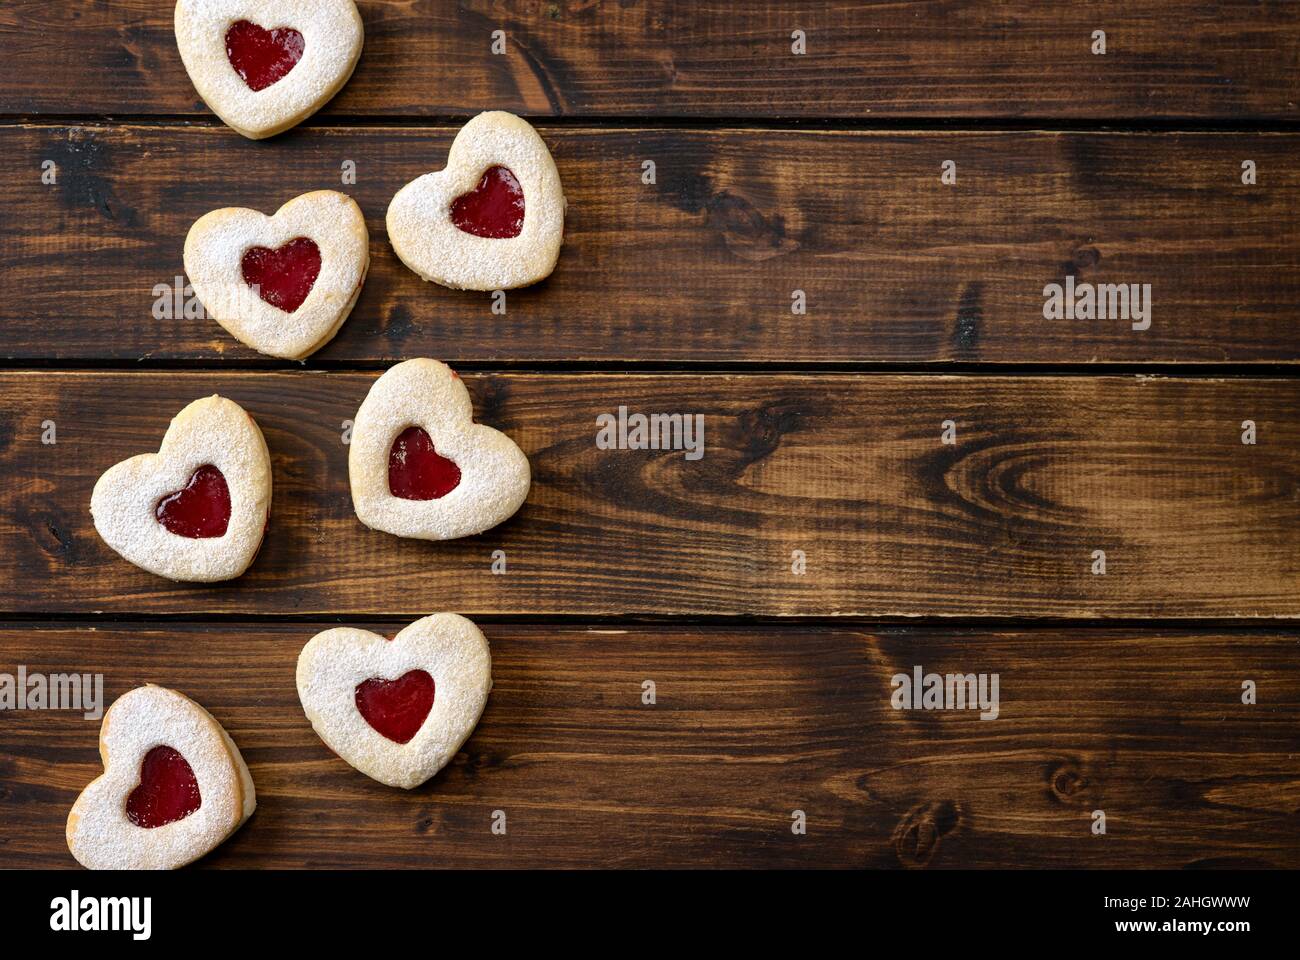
x=748 y=233
x=918 y=834
x=1085 y=257
x=65 y=546
x=761 y=430
x=1066 y=781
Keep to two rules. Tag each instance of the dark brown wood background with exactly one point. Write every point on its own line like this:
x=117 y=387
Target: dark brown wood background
x=775 y=173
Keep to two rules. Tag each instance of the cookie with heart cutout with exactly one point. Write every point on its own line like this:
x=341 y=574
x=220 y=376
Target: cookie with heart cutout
x=197 y=509
x=421 y=467
x=174 y=786
x=263 y=66
x=492 y=219
x=397 y=710
x=282 y=284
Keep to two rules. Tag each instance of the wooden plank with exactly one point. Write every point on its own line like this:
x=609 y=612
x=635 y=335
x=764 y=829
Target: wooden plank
x=1232 y=59
x=748 y=726
x=700 y=266
x=849 y=469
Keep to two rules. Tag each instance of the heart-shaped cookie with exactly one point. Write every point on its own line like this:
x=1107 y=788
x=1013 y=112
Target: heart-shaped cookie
x=282 y=284
x=397 y=710
x=421 y=467
x=262 y=66
x=174 y=786
x=492 y=219
x=197 y=509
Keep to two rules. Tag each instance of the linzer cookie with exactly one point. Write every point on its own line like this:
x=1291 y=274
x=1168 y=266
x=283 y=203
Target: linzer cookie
x=421 y=467
x=283 y=284
x=174 y=786
x=492 y=219
x=263 y=66
x=397 y=710
x=197 y=509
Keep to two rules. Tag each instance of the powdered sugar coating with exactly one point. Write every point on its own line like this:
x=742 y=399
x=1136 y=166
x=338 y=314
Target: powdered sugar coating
x=494 y=473
x=332 y=37
x=214 y=251
x=448 y=647
x=214 y=431
x=419 y=216
x=99 y=832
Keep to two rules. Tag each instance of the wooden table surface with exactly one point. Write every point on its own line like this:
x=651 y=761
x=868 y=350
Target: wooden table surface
x=775 y=173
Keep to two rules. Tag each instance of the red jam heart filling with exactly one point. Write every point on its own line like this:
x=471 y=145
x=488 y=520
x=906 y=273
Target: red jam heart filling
x=418 y=472
x=262 y=57
x=283 y=277
x=396 y=708
x=493 y=209
x=199 y=511
x=168 y=790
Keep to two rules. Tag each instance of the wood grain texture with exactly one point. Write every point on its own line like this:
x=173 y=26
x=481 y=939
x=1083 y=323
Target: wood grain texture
x=748 y=726
x=847 y=468
x=700 y=266
x=1004 y=58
